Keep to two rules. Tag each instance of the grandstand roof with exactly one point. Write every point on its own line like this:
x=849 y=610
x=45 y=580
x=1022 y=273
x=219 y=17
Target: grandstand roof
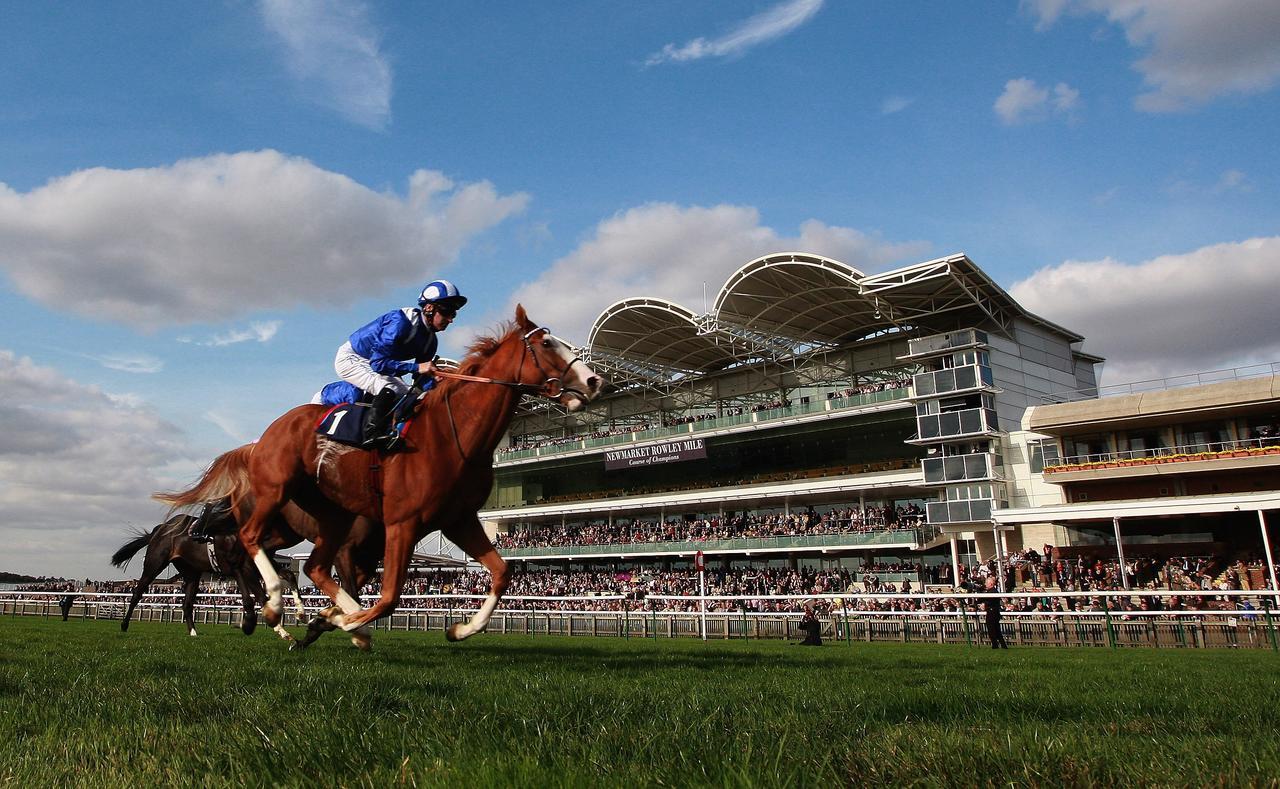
x=806 y=298
x=784 y=304
x=657 y=334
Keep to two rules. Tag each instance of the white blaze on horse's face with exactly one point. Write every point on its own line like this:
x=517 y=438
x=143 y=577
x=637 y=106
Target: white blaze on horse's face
x=580 y=383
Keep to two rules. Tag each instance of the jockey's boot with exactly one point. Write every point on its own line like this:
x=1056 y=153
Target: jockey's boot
x=199 y=530
x=379 y=424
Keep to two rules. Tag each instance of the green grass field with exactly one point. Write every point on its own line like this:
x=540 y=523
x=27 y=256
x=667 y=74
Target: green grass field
x=83 y=704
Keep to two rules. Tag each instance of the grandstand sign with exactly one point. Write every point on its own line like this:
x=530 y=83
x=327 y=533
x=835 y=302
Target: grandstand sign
x=654 y=454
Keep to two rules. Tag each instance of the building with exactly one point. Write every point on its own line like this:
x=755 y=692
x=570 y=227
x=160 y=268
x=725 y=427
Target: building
x=808 y=388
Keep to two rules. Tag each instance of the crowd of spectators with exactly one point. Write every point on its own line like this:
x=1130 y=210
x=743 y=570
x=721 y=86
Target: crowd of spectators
x=646 y=590
x=901 y=382
x=747 y=525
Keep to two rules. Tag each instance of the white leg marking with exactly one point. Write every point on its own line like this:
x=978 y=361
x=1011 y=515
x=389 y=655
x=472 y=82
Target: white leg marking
x=271 y=579
x=346 y=603
x=297 y=604
x=192 y=632
x=479 y=621
x=280 y=631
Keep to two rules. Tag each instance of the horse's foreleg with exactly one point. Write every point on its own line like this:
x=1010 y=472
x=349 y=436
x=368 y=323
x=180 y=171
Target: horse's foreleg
x=473 y=540
x=190 y=587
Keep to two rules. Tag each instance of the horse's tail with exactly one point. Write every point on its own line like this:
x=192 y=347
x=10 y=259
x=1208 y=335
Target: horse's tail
x=121 y=557
x=227 y=475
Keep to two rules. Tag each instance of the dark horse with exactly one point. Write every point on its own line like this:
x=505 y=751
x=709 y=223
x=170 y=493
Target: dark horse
x=440 y=482
x=356 y=562
x=168 y=544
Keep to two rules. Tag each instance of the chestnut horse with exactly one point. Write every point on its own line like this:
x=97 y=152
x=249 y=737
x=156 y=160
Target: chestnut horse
x=356 y=561
x=439 y=483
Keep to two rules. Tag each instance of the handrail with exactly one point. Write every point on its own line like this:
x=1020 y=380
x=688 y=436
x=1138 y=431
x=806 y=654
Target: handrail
x=781 y=542
x=1162 y=384
x=1211 y=450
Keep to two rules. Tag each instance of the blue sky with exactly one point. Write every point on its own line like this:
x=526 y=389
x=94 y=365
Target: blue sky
x=198 y=202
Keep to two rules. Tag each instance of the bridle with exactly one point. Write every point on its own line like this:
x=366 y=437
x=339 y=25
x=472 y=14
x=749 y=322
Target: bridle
x=552 y=386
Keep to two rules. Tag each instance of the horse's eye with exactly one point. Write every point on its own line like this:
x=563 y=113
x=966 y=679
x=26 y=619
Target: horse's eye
x=547 y=343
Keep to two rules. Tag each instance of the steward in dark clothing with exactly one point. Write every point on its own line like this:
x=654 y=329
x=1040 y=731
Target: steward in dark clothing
x=811 y=627
x=993 y=607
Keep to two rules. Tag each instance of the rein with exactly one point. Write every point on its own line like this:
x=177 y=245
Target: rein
x=551 y=387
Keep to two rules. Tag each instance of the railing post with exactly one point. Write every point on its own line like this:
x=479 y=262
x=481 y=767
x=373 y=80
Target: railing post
x=1271 y=629
x=848 y=632
x=1106 y=609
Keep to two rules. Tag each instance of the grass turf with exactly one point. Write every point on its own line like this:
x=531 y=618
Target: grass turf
x=83 y=704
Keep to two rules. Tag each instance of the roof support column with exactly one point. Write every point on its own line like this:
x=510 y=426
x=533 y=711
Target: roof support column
x=995 y=546
x=1271 y=562
x=955 y=562
x=1124 y=576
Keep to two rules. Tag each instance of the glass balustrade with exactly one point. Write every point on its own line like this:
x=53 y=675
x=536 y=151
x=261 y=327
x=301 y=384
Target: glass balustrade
x=720 y=423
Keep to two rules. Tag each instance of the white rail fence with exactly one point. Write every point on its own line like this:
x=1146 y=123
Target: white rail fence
x=1232 y=619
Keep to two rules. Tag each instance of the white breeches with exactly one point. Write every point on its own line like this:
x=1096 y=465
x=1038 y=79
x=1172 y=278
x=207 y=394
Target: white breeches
x=355 y=370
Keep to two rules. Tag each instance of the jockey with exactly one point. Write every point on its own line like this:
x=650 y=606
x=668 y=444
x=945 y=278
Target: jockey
x=398 y=343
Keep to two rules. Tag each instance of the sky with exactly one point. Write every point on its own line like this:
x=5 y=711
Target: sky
x=199 y=202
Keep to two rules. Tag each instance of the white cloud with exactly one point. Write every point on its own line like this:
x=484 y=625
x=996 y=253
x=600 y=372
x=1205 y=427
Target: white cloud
x=76 y=469
x=1023 y=101
x=1065 y=98
x=1233 y=181
x=332 y=48
x=669 y=251
x=217 y=237
x=895 y=104
x=130 y=363
x=1195 y=51
x=230 y=424
x=766 y=26
x=258 y=331
x=1212 y=308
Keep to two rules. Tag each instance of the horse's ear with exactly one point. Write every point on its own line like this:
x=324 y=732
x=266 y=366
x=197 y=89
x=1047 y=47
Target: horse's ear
x=522 y=318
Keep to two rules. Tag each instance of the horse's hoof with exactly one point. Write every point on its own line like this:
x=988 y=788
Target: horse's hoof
x=192 y=632
x=249 y=624
x=270 y=615
x=363 y=641
x=296 y=646
x=124 y=627
x=452 y=633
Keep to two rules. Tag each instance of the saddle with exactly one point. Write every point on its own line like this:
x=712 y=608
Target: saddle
x=345 y=424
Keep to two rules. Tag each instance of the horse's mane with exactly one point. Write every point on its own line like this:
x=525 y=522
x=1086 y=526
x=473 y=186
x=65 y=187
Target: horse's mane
x=480 y=351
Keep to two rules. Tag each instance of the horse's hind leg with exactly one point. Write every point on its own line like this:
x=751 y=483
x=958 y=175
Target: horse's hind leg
x=251 y=534
x=152 y=565
x=249 y=622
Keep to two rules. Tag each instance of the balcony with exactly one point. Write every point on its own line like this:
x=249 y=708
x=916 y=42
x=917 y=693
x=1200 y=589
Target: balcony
x=943 y=343
x=964 y=511
x=977 y=467
x=1188 y=458
x=721 y=423
x=884 y=537
x=936 y=428
x=970 y=377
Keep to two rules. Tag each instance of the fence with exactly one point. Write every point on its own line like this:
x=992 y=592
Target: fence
x=1104 y=619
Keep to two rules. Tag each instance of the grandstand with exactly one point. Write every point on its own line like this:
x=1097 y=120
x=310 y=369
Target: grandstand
x=809 y=389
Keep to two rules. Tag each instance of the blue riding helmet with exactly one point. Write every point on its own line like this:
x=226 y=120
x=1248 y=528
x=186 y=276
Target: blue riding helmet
x=442 y=291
